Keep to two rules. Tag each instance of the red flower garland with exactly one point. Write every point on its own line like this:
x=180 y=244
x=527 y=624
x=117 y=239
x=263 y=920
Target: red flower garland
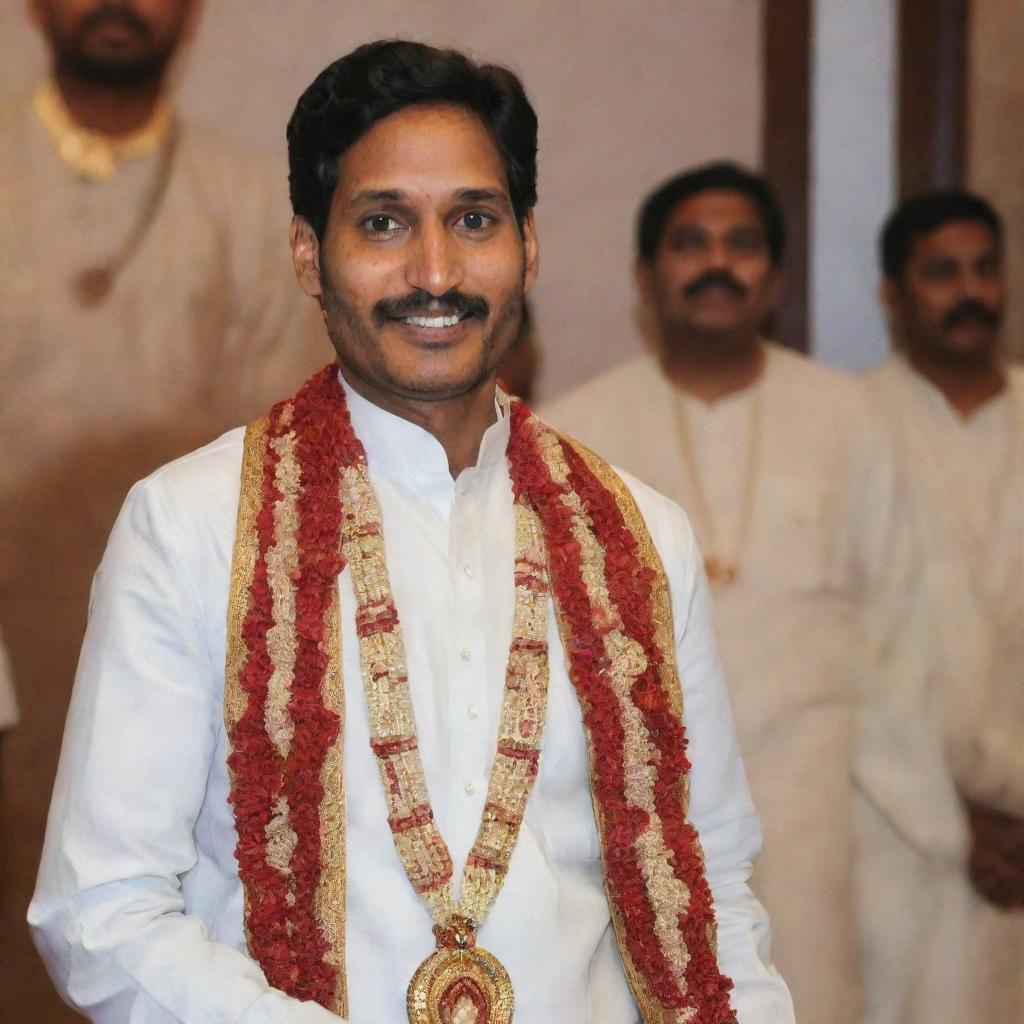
x=284 y=933
x=629 y=586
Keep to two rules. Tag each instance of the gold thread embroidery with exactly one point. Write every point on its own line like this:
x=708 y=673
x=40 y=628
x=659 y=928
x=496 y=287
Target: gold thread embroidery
x=330 y=894
x=243 y=565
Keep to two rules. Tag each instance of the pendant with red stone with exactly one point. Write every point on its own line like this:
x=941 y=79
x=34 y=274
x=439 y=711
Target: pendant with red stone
x=460 y=983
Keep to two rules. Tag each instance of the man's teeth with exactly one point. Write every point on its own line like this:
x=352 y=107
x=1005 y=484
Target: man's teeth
x=431 y=321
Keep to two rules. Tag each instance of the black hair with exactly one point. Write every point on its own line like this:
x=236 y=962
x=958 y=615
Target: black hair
x=352 y=94
x=719 y=176
x=923 y=214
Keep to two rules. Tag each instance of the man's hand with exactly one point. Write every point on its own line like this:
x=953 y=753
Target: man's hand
x=996 y=865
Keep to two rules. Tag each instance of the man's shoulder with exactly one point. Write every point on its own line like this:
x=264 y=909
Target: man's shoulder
x=809 y=373
x=806 y=389
x=615 y=385
x=199 y=491
x=231 y=174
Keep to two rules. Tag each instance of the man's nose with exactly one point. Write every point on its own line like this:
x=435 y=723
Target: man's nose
x=718 y=256
x=435 y=261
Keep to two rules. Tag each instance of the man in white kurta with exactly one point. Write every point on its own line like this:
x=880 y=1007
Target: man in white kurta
x=147 y=927
x=956 y=411
x=189 y=340
x=139 y=907
x=789 y=490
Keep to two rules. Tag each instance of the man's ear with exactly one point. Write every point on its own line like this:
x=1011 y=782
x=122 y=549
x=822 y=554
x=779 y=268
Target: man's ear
x=531 y=254
x=642 y=271
x=888 y=295
x=193 y=13
x=306 y=256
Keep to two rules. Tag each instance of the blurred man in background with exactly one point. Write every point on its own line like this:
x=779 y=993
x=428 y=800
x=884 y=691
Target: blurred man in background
x=956 y=411
x=791 y=494
x=145 y=305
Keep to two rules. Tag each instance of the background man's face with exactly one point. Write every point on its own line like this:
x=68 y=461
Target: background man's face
x=114 y=40
x=712 y=273
x=423 y=267
x=949 y=303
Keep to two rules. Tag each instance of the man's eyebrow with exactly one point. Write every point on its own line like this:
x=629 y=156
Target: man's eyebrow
x=482 y=195
x=370 y=196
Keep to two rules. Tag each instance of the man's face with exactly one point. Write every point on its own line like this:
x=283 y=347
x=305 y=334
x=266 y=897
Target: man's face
x=423 y=268
x=712 y=274
x=114 y=41
x=949 y=302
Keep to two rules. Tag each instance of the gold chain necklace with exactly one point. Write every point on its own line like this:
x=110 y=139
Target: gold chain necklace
x=460 y=983
x=721 y=563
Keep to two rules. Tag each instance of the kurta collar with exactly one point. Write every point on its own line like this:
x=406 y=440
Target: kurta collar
x=401 y=447
x=940 y=404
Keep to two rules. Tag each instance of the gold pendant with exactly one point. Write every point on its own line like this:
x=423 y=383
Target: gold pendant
x=460 y=983
x=720 y=573
x=92 y=286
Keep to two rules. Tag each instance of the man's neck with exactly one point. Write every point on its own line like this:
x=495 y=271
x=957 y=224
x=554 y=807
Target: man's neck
x=965 y=387
x=704 y=370
x=458 y=423
x=115 y=110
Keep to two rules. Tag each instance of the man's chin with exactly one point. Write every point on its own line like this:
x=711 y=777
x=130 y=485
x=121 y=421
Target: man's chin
x=442 y=387
x=966 y=348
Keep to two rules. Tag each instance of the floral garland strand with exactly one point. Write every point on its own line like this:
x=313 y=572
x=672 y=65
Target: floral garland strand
x=631 y=585
x=283 y=931
x=625 y=826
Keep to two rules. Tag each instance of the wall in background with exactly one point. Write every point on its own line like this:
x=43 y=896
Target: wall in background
x=995 y=135
x=853 y=175
x=626 y=94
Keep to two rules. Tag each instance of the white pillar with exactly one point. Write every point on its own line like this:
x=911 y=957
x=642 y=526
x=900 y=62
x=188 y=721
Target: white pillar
x=854 y=172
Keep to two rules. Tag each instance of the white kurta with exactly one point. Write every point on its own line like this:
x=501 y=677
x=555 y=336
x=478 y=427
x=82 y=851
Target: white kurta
x=203 y=329
x=821 y=544
x=138 y=910
x=965 y=485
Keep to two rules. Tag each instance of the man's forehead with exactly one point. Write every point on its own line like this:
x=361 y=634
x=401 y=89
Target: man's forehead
x=440 y=148
x=957 y=237
x=715 y=205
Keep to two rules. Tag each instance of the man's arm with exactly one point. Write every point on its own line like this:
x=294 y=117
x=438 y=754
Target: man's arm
x=108 y=914
x=720 y=806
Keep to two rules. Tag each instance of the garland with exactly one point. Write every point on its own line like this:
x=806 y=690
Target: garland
x=283 y=704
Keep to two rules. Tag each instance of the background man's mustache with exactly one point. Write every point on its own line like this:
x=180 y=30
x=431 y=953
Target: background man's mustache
x=712 y=278
x=419 y=303
x=970 y=309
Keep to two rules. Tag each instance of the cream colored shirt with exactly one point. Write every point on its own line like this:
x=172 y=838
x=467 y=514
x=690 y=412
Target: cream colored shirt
x=204 y=328
x=964 y=484
x=806 y=615
x=138 y=911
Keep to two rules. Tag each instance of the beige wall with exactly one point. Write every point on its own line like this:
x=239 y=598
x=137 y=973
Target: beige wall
x=626 y=93
x=995 y=142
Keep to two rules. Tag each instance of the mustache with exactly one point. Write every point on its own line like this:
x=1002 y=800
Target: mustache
x=970 y=309
x=421 y=303
x=713 y=278
x=119 y=13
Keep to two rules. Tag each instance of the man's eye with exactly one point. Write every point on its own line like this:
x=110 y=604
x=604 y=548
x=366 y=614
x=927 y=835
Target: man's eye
x=381 y=224
x=475 y=220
